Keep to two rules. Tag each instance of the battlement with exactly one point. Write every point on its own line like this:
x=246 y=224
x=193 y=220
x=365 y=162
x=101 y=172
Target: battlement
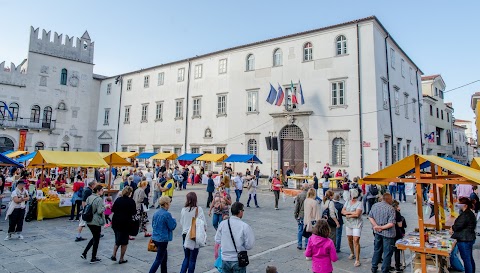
x=81 y=51
x=13 y=75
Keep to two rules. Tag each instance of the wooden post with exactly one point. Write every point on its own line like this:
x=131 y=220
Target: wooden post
x=421 y=231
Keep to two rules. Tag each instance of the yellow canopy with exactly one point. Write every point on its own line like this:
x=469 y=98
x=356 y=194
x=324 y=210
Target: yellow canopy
x=127 y=154
x=50 y=159
x=113 y=159
x=475 y=163
x=408 y=163
x=212 y=157
x=16 y=154
x=164 y=156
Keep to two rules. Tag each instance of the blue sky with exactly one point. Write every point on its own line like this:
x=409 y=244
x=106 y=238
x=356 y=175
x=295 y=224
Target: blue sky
x=440 y=36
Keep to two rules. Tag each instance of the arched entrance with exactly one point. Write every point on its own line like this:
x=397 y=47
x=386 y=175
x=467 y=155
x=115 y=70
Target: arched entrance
x=291 y=149
x=6 y=144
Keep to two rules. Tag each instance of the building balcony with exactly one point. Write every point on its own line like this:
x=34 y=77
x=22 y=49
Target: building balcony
x=27 y=123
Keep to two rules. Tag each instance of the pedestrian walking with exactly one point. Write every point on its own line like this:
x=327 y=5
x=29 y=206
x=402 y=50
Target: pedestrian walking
x=353 y=225
x=252 y=191
x=189 y=211
x=123 y=209
x=372 y=195
x=157 y=193
x=463 y=230
x=140 y=199
x=299 y=214
x=338 y=208
x=219 y=205
x=238 y=186
x=76 y=200
x=321 y=248
x=87 y=191
x=95 y=225
x=315 y=185
x=16 y=210
x=311 y=213
x=401 y=192
x=210 y=189
x=276 y=187
x=392 y=189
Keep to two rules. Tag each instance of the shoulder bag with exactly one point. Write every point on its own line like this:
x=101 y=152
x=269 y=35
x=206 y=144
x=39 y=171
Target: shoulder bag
x=242 y=255
x=151 y=246
x=193 y=227
x=326 y=215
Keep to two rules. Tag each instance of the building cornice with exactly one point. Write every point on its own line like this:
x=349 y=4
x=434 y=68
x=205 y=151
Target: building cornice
x=287 y=113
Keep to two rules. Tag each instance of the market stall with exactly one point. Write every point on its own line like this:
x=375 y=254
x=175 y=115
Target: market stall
x=113 y=160
x=16 y=154
x=455 y=174
x=208 y=159
x=27 y=157
x=187 y=159
x=6 y=161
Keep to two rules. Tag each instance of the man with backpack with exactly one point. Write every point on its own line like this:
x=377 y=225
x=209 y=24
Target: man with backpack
x=372 y=194
x=86 y=193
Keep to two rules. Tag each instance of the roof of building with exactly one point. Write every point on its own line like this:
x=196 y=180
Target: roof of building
x=431 y=77
x=280 y=38
x=460 y=126
x=462 y=120
x=99 y=77
x=430 y=97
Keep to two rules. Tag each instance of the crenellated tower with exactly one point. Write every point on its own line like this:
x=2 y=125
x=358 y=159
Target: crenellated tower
x=81 y=51
x=13 y=75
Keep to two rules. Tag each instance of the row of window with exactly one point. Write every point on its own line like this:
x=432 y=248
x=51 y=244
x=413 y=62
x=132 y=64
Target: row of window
x=411 y=74
x=406 y=101
x=397 y=155
x=41 y=146
x=439 y=113
x=34 y=113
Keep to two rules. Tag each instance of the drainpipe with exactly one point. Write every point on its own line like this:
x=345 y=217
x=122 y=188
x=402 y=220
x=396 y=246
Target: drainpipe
x=119 y=78
x=389 y=98
x=360 y=103
x=186 y=105
x=419 y=114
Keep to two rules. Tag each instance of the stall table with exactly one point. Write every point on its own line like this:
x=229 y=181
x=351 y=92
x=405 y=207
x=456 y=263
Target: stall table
x=47 y=209
x=295 y=181
x=334 y=182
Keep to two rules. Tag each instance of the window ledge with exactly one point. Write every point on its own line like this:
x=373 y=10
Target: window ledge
x=344 y=106
x=158 y=119
x=280 y=65
x=105 y=124
x=126 y=122
x=253 y=113
x=307 y=61
x=249 y=70
x=179 y=118
x=221 y=115
x=196 y=116
x=143 y=121
x=342 y=55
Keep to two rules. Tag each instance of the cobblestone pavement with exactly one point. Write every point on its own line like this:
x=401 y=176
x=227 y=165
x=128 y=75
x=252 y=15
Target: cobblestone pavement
x=49 y=244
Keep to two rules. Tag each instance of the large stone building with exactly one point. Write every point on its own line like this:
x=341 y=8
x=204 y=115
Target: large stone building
x=50 y=100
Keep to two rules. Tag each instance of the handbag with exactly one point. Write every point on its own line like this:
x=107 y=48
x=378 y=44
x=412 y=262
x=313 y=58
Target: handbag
x=326 y=216
x=134 y=225
x=242 y=255
x=193 y=228
x=305 y=233
x=151 y=246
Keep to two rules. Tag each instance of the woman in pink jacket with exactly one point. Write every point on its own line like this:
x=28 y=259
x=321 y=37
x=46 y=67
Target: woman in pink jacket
x=321 y=248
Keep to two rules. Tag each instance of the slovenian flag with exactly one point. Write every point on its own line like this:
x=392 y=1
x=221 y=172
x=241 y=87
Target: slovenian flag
x=294 y=96
x=279 y=96
x=272 y=95
x=302 y=100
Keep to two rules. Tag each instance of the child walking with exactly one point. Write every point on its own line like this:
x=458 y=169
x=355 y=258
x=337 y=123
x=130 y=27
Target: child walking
x=108 y=211
x=321 y=248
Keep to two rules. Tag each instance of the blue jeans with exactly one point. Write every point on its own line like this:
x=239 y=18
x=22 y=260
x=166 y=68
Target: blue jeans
x=156 y=196
x=455 y=261
x=300 y=233
x=217 y=219
x=232 y=267
x=238 y=193
x=393 y=191
x=161 y=258
x=466 y=252
x=338 y=241
x=190 y=259
x=250 y=198
x=401 y=192
x=387 y=245
x=184 y=184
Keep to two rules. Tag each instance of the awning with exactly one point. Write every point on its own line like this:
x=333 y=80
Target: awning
x=50 y=159
x=188 y=157
x=113 y=159
x=405 y=165
x=5 y=161
x=243 y=158
x=7 y=152
x=127 y=154
x=212 y=157
x=16 y=154
x=145 y=155
x=475 y=163
x=26 y=157
x=164 y=156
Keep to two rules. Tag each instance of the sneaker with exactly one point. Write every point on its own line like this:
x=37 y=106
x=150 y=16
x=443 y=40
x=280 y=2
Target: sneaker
x=9 y=236
x=20 y=236
x=248 y=206
x=70 y=220
x=276 y=208
x=258 y=207
x=83 y=256
x=78 y=239
x=308 y=258
x=95 y=260
x=101 y=235
x=299 y=247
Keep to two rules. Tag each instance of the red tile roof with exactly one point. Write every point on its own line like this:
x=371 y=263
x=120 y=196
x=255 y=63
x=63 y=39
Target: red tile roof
x=461 y=120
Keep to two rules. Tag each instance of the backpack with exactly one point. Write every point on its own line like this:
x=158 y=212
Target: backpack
x=326 y=215
x=87 y=213
x=80 y=192
x=373 y=190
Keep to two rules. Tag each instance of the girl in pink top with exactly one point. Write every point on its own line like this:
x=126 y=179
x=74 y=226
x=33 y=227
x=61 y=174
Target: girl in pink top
x=108 y=211
x=321 y=248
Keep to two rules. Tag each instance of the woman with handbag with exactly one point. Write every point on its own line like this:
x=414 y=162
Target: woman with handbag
x=123 y=210
x=311 y=212
x=191 y=213
x=163 y=225
x=140 y=198
x=329 y=214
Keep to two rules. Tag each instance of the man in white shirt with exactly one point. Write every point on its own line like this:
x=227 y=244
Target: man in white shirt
x=238 y=185
x=305 y=169
x=16 y=210
x=243 y=236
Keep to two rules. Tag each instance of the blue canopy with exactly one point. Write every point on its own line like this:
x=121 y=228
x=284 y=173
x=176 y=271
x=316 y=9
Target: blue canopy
x=26 y=157
x=189 y=157
x=243 y=159
x=5 y=161
x=145 y=155
x=7 y=152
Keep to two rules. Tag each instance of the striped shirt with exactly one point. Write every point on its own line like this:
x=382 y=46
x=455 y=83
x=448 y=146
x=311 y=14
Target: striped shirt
x=383 y=213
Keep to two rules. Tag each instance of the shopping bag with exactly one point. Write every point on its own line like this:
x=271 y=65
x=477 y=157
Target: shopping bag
x=193 y=228
x=151 y=246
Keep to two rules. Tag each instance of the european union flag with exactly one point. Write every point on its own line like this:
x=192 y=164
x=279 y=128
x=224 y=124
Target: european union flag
x=272 y=95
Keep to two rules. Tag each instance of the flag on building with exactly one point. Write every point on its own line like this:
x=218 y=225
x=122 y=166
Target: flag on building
x=8 y=110
x=294 y=96
x=272 y=95
x=279 y=96
x=302 y=100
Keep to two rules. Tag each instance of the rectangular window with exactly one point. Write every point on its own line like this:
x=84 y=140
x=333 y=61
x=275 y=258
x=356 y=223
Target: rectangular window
x=440 y=93
x=398 y=151
x=106 y=116
x=392 y=57
x=159 y=111
x=144 y=113
x=411 y=75
x=124 y=149
x=141 y=150
x=161 y=78
x=414 y=110
x=397 y=102
x=431 y=110
x=338 y=93
x=129 y=84
x=385 y=94
x=441 y=114
x=178 y=109
x=197 y=107
x=222 y=105
x=448 y=117
x=109 y=88
x=252 y=101
x=127 y=115
x=403 y=67
x=198 y=71
x=436 y=91
x=146 y=81
x=177 y=151
x=408 y=147
x=387 y=153
x=181 y=74
x=438 y=116
x=222 y=66
x=220 y=150
x=405 y=104
x=438 y=135
x=195 y=150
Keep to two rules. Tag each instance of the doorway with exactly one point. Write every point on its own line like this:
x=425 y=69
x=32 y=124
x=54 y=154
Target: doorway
x=292 y=149
x=105 y=148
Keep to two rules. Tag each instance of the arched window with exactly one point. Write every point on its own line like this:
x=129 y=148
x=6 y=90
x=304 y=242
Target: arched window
x=277 y=57
x=2 y=110
x=62 y=106
x=250 y=65
x=47 y=117
x=65 y=147
x=14 y=110
x=252 y=147
x=39 y=146
x=308 y=52
x=341 y=45
x=63 y=77
x=35 y=114
x=6 y=144
x=338 y=151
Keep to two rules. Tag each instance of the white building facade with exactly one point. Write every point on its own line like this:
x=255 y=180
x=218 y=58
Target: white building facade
x=460 y=144
x=361 y=94
x=470 y=136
